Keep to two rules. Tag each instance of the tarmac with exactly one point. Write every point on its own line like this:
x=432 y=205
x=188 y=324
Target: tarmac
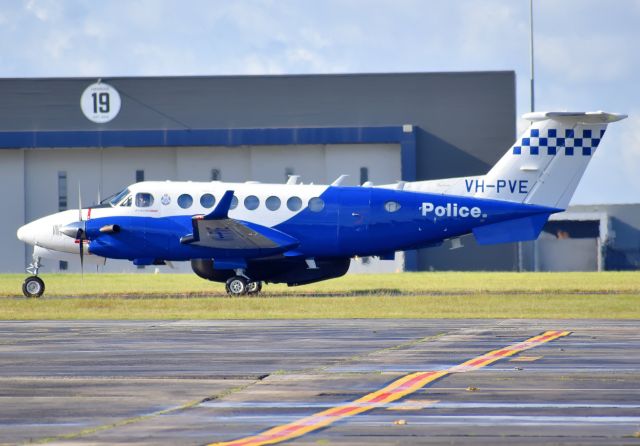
x=201 y=382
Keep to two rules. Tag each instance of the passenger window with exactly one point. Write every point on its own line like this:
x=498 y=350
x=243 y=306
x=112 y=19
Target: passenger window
x=144 y=200
x=207 y=201
x=251 y=202
x=273 y=203
x=316 y=204
x=185 y=201
x=294 y=203
x=234 y=203
x=391 y=206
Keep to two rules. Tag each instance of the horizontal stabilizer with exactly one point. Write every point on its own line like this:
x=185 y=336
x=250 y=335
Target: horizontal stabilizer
x=598 y=117
x=518 y=230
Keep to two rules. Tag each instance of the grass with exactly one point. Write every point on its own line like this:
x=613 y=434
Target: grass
x=613 y=295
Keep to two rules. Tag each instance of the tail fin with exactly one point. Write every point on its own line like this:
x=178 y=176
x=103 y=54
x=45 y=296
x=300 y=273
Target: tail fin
x=546 y=163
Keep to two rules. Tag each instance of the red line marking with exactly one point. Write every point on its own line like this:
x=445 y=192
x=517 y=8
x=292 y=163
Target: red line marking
x=311 y=423
x=342 y=411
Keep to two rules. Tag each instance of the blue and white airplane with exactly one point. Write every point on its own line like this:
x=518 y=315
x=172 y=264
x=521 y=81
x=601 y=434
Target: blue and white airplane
x=244 y=234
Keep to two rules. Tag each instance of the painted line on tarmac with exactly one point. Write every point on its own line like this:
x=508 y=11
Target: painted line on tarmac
x=394 y=391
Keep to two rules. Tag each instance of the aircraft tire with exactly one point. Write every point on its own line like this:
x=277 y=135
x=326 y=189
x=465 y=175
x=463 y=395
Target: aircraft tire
x=236 y=286
x=254 y=287
x=33 y=286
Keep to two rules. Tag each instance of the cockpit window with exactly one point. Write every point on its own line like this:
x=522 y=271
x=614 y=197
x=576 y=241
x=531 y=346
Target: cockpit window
x=118 y=197
x=144 y=199
x=127 y=201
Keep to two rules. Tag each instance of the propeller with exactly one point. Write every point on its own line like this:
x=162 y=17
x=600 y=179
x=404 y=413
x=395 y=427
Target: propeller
x=81 y=231
x=78 y=231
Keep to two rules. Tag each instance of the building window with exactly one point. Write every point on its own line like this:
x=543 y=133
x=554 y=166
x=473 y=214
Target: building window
x=62 y=191
x=64 y=265
x=215 y=175
x=364 y=175
x=288 y=171
x=139 y=175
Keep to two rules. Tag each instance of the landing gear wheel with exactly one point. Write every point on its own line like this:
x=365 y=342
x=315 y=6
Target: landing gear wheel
x=237 y=286
x=254 y=287
x=33 y=286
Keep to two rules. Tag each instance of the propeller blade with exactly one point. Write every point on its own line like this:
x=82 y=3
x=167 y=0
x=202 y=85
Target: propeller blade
x=81 y=258
x=81 y=232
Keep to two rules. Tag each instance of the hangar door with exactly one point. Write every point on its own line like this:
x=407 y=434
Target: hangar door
x=569 y=245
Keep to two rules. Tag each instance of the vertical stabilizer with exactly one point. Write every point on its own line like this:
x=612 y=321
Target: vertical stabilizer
x=546 y=163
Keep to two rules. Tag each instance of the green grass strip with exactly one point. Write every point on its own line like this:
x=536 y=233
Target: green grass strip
x=614 y=295
x=616 y=306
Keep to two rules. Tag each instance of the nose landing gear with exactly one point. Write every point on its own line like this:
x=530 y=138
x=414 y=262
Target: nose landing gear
x=33 y=286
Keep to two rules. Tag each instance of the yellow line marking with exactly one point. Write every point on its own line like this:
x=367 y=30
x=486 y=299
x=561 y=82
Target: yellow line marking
x=414 y=405
x=394 y=391
x=525 y=359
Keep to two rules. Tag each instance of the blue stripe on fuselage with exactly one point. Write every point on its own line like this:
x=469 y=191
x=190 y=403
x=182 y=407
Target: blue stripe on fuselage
x=353 y=222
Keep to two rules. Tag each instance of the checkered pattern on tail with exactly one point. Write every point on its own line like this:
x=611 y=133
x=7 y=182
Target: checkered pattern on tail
x=554 y=141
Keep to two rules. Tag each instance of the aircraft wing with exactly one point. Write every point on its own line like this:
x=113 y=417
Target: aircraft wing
x=216 y=230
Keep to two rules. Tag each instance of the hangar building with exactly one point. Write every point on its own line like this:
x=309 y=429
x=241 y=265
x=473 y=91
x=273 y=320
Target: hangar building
x=588 y=238
x=108 y=133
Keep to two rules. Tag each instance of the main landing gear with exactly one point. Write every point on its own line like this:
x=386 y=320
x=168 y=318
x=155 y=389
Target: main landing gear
x=33 y=286
x=239 y=285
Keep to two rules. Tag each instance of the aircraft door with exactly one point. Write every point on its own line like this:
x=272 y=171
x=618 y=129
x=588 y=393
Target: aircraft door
x=154 y=234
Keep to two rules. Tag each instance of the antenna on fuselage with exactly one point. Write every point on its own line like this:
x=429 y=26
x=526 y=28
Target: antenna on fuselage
x=338 y=181
x=293 y=179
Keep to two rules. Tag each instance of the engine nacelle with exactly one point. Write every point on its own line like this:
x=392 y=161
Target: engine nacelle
x=204 y=268
x=284 y=270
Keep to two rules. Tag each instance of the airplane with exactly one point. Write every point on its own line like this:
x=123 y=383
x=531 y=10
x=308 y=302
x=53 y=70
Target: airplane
x=247 y=234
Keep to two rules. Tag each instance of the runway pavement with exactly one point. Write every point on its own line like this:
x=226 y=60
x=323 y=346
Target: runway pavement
x=320 y=382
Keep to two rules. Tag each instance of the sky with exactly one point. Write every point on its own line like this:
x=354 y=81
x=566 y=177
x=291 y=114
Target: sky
x=587 y=52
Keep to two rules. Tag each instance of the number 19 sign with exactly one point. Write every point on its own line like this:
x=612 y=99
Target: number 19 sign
x=100 y=102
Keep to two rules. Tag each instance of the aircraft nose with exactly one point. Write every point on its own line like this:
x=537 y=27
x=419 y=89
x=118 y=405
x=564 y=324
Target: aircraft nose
x=27 y=234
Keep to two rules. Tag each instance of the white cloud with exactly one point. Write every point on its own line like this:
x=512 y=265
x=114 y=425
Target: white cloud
x=39 y=9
